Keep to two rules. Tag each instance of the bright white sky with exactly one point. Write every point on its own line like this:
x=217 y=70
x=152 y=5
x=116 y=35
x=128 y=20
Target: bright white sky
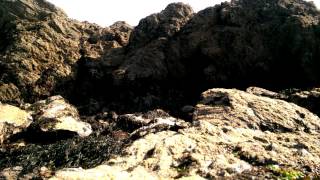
x=105 y=12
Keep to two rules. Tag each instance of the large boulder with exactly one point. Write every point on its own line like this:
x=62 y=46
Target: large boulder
x=54 y=114
x=240 y=109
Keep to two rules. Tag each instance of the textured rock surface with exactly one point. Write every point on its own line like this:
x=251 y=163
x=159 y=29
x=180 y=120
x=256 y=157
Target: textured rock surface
x=55 y=114
x=305 y=98
x=40 y=47
x=163 y=63
x=12 y=121
x=228 y=139
x=237 y=44
x=104 y=172
x=240 y=109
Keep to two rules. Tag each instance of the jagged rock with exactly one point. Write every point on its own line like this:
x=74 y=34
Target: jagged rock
x=40 y=48
x=147 y=58
x=13 y=120
x=161 y=25
x=55 y=114
x=246 y=42
x=236 y=44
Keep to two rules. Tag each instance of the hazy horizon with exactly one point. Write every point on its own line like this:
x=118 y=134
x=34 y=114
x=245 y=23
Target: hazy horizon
x=105 y=13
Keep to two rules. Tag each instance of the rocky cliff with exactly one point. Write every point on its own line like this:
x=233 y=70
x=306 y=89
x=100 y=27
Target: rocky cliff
x=128 y=102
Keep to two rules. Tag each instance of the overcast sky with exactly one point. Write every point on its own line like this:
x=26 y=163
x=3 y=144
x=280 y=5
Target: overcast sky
x=105 y=13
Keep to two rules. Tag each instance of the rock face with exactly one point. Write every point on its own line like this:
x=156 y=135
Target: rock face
x=236 y=44
x=12 y=121
x=40 y=47
x=134 y=108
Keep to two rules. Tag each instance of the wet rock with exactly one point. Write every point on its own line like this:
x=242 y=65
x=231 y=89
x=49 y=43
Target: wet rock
x=13 y=120
x=55 y=114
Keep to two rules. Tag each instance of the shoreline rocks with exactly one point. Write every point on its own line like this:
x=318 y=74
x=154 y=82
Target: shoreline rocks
x=78 y=101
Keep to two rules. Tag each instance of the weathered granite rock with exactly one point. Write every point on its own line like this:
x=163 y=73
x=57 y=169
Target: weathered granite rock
x=55 y=114
x=13 y=120
x=240 y=109
x=229 y=138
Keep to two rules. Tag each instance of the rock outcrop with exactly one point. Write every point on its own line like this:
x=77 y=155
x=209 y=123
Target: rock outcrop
x=236 y=44
x=234 y=133
x=78 y=101
x=40 y=48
